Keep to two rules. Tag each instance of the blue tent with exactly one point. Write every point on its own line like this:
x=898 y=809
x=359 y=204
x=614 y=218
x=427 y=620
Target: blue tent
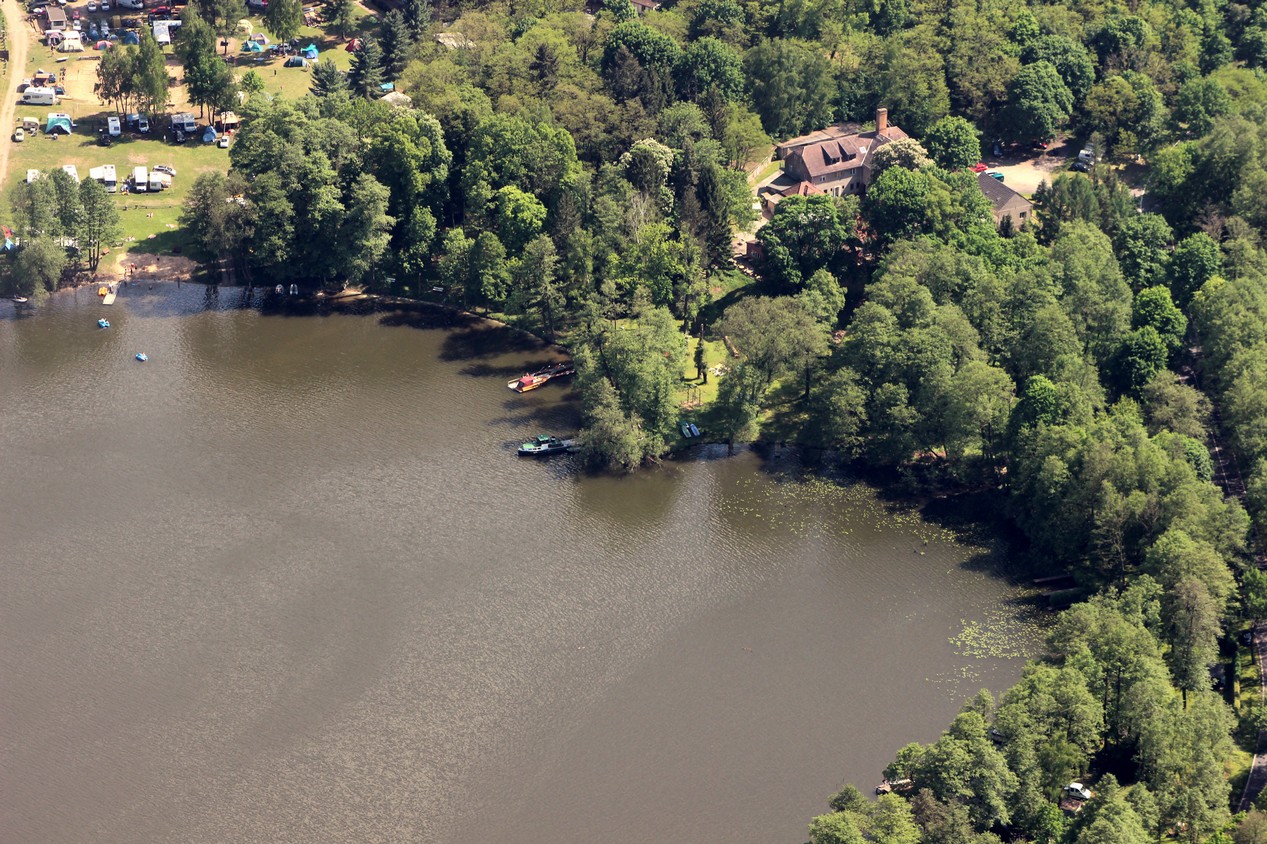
x=252 y=47
x=387 y=87
x=57 y=124
x=209 y=136
x=131 y=37
x=310 y=52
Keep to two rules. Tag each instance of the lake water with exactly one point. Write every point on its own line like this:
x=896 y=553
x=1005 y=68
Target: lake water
x=287 y=581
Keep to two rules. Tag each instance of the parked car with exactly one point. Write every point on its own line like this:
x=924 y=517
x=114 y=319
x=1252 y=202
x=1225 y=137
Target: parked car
x=18 y=135
x=165 y=168
x=92 y=6
x=104 y=5
x=93 y=32
x=143 y=125
x=223 y=142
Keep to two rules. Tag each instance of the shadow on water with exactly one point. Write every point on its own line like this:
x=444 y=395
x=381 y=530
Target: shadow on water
x=975 y=517
x=552 y=418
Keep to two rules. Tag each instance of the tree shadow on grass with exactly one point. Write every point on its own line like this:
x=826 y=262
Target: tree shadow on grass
x=170 y=242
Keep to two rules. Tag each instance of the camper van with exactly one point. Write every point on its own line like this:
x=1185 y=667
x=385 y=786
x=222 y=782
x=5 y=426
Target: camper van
x=140 y=179
x=159 y=181
x=38 y=96
x=106 y=175
x=30 y=124
x=112 y=126
x=185 y=122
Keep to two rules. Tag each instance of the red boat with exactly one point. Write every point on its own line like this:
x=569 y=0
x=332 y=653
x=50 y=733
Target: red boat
x=533 y=380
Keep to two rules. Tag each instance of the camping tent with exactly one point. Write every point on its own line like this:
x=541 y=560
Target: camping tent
x=296 y=61
x=310 y=52
x=71 y=44
x=209 y=135
x=57 y=124
x=103 y=45
x=244 y=25
x=395 y=98
x=260 y=37
x=252 y=47
x=131 y=37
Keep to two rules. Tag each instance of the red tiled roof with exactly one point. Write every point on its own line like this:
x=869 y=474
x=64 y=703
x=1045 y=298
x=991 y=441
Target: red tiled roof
x=842 y=153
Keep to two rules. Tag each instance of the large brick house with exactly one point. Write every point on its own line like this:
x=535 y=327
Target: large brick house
x=835 y=160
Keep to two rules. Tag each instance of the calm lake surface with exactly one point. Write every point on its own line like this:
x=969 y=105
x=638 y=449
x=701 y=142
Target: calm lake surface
x=288 y=582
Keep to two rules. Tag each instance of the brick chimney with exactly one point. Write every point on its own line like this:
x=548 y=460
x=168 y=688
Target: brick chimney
x=881 y=119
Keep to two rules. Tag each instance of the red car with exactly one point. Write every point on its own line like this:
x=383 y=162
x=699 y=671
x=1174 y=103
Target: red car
x=979 y=167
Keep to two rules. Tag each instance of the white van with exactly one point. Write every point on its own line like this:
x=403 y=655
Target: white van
x=38 y=96
x=140 y=179
x=113 y=127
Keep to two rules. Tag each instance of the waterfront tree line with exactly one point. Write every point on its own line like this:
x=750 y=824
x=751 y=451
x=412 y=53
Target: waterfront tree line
x=582 y=176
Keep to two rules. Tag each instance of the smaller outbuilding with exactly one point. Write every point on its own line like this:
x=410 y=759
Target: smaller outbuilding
x=1005 y=202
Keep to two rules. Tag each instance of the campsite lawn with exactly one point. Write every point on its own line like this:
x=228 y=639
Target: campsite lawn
x=82 y=150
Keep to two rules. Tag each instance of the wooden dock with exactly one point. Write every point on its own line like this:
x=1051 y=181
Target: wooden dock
x=107 y=298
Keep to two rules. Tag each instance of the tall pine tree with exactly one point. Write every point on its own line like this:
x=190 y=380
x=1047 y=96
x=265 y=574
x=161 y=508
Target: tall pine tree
x=397 y=44
x=365 y=77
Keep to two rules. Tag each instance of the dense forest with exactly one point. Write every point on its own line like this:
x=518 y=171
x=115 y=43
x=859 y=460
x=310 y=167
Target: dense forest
x=581 y=172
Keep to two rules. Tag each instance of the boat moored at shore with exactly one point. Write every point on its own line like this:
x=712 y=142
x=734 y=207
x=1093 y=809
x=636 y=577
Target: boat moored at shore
x=544 y=445
x=533 y=380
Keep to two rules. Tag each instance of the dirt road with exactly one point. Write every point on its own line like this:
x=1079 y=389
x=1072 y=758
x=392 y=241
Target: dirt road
x=19 y=41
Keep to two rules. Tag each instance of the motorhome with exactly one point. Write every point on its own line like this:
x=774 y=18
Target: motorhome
x=72 y=171
x=140 y=179
x=107 y=176
x=159 y=181
x=112 y=126
x=38 y=96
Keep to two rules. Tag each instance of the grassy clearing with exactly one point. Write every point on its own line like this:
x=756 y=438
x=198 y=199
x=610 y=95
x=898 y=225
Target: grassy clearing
x=700 y=391
x=149 y=218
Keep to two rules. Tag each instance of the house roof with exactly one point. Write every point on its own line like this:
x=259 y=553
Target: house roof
x=55 y=14
x=843 y=152
x=998 y=193
x=838 y=130
x=647 y=4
